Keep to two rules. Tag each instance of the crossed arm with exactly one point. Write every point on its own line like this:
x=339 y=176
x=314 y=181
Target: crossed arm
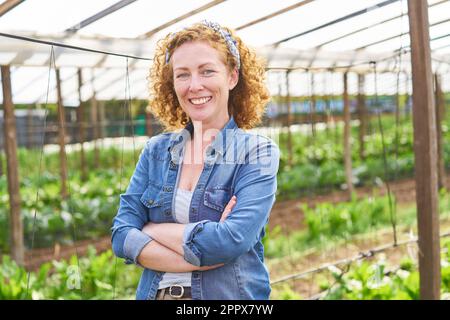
x=165 y=252
x=174 y=247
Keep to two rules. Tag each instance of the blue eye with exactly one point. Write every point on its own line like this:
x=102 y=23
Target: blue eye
x=182 y=75
x=208 y=72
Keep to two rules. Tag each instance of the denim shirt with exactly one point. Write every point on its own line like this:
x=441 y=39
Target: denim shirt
x=236 y=163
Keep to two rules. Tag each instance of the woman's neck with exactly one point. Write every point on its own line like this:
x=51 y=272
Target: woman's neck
x=205 y=133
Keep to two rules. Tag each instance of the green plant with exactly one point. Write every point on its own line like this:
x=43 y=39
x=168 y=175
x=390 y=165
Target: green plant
x=94 y=276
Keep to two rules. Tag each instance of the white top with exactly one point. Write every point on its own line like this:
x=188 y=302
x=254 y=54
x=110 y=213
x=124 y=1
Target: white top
x=182 y=202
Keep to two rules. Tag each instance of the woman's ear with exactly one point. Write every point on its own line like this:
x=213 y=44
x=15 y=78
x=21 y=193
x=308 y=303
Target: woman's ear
x=233 y=79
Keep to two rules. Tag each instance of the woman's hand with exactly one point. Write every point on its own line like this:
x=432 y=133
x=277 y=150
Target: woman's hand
x=206 y=268
x=228 y=208
x=225 y=214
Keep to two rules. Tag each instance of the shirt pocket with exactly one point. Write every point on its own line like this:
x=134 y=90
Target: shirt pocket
x=215 y=200
x=152 y=199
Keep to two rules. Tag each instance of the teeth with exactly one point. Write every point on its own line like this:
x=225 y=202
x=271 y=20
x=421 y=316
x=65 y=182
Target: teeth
x=200 y=100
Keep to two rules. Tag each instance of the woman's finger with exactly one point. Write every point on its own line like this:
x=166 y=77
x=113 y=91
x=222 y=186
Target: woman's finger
x=230 y=203
x=206 y=268
x=228 y=208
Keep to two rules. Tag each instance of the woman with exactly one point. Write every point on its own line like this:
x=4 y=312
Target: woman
x=194 y=213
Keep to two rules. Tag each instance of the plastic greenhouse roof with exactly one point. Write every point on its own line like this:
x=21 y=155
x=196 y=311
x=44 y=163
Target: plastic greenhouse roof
x=311 y=36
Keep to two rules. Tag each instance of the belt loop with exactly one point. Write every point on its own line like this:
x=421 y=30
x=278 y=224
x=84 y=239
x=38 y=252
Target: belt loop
x=161 y=294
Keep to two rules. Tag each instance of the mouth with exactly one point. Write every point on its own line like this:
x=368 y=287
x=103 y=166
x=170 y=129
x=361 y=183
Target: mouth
x=200 y=101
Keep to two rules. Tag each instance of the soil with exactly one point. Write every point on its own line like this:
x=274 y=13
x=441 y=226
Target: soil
x=289 y=216
x=36 y=257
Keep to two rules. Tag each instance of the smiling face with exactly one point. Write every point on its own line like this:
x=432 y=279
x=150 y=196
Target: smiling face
x=202 y=83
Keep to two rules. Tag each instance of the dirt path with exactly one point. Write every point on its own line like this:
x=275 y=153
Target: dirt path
x=33 y=259
x=289 y=216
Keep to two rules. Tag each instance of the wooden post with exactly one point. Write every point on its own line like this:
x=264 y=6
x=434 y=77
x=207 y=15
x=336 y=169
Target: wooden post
x=81 y=127
x=289 y=119
x=95 y=122
x=1 y=162
x=96 y=129
x=61 y=138
x=334 y=118
x=1 y=155
x=336 y=123
x=326 y=98
x=279 y=115
x=347 y=146
x=148 y=122
x=29 y=130
x=362 y=115
x=439 y=98
x=313 y=107
x=397 y=112
x=102 y=118
x=12 y=165
x=280 y=100
x=397 y=123
x=425 y=148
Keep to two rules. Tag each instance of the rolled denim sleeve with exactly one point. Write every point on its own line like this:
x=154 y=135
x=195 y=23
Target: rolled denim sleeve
x=135 y=241
x=127 y=238
x=191 y=254
x=208 y=243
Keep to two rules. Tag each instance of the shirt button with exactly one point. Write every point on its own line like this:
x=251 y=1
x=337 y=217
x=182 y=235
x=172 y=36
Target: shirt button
x=168 y=189
x=150 y=202
x=167 y=212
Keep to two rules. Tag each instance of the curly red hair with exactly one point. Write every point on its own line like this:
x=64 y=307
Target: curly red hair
x=247 y=100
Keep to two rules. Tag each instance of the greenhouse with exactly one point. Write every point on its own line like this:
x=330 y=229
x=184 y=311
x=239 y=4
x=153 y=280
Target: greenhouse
x=356 y=107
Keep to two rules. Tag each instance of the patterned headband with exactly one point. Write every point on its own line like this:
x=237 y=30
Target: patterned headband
x=231 y=43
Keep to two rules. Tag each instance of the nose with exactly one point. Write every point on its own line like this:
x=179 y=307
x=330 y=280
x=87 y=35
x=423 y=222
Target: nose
x=196 y=83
